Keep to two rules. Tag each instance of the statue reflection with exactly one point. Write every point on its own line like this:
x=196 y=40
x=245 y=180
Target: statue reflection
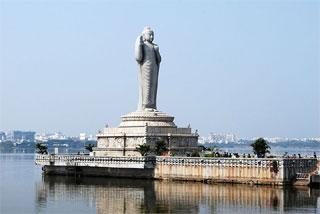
x=110 y=195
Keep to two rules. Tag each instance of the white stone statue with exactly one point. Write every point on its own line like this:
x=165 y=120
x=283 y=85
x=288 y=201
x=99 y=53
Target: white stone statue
x=148 y=57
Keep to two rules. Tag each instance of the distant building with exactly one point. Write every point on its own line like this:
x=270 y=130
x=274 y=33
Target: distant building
x=20 y=136
x=2 y=136
x=83 y=136
x=219 y=138
x=50 y=136
x=92 y=138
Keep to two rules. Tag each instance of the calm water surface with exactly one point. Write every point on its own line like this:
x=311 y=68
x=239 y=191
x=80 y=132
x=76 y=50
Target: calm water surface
x=23 y=189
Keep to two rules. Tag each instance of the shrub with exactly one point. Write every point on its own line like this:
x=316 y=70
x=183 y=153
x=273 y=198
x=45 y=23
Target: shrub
x=41 y=148
x=195 y=154
x=89 y=147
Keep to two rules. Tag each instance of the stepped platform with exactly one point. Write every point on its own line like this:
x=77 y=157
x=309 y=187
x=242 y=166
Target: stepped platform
x=144 y=127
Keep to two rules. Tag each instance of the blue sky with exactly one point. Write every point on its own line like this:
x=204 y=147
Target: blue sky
x=245 y=67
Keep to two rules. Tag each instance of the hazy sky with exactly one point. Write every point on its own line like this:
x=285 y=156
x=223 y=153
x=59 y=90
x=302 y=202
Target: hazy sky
x=244 y=67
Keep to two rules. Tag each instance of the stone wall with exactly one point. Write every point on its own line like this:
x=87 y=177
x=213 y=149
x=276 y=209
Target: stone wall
x=125 y=145
x=234 y=170
x=123 y=140
x=301 y=165
x=276 y=171
x=218 y=170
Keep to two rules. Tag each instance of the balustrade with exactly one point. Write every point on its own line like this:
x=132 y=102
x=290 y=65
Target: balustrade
x=227 y=162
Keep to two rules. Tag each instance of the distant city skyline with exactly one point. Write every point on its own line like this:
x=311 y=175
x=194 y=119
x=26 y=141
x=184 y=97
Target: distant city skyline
x=248 y=68
x=22 y=135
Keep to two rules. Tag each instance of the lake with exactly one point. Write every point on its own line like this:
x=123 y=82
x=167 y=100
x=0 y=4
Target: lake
x=23 y=189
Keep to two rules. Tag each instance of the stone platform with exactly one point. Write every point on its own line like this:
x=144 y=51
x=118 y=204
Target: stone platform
x=142 y=127
x=273 y=171
x=147 y=118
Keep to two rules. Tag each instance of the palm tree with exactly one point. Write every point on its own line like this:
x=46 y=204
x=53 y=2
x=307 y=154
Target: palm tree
x=161 y=147
x=41 y=148
x=143 y=149
x=260 y=147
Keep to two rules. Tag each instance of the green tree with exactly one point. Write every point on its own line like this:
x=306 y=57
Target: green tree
x=195 y=154
x=161 y=147
x=89 y=147
x=202 y=148
x=260 y=147
x=41 y=148
x=143 y=149
x=213 y=148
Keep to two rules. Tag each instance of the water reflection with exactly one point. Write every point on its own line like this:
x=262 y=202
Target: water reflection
x=109 y=195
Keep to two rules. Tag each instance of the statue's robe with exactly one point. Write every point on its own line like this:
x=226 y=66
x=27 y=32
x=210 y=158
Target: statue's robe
x=149 y=61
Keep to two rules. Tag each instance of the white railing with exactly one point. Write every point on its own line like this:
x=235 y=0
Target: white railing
x=227 y=162
x=216 y=161
x=83 y=160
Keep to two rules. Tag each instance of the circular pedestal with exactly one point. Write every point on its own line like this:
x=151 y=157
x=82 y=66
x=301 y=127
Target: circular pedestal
x=147 y=118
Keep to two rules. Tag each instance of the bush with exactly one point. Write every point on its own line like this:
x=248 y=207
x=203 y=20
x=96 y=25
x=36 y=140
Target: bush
x=195 y=154
x=89 y=147
x=209 y=155
x=41 y=149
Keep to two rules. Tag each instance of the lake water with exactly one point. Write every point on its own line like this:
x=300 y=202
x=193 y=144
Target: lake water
x=23 y=189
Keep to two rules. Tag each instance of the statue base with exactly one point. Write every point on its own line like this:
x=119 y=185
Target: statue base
x=147 y=118
x=145 y=127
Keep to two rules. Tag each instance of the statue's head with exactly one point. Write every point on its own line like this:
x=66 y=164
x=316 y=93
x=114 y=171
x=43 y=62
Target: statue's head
x=147 y=34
